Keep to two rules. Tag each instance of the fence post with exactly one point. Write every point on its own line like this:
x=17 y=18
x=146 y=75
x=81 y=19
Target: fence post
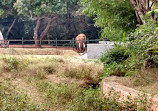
x=40 y=42
x=22 y=42
x=48 y=42
x=56 y=42
x=73 y=41
x=87 y=41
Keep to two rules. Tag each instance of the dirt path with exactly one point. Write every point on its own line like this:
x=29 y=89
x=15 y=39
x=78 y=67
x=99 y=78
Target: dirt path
x=110 y=83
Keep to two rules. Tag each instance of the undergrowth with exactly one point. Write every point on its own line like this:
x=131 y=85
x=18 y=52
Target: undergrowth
x=145 y=77
x=62 y=68
x=11 y=100
x=14 y=64
x=66 y=96
x=62 y=96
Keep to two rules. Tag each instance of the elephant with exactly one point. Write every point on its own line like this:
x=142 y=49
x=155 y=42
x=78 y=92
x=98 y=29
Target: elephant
x=80 y=43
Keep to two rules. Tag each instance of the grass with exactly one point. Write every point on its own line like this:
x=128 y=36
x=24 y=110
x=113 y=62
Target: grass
x=35 y=72
x=44 y=51
x=11 y=100
x=42 y=67
x=69 y=97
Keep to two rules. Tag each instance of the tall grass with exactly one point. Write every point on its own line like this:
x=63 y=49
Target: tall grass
x=14 y=64
x=42 y=67
x=11 y=100
x=62 y=96
x=32 y=51
x=69 y=97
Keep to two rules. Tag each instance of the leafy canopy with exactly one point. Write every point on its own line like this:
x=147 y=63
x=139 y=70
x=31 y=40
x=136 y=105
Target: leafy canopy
x=115 y=17
x=36 y=8
x=6 y=8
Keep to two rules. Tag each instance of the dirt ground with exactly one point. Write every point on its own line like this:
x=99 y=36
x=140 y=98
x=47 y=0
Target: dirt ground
x=130 y=82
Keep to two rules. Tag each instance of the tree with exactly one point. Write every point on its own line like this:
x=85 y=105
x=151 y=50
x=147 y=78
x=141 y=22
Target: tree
x=141 y=7
x=6 y=9
x=40 y=10
x=114 y=17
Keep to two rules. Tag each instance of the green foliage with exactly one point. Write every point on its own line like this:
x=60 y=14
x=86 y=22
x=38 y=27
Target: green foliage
x=10 y=100
x=143 y=43
x=115 y=60
x=36 y=8
x=14 y=64
x=1 y=12
x=114 y=17
x=141 y=49
x=117 y=54
x=70 y=97
x=23 y=28
x=59 y=95
x=6 y=8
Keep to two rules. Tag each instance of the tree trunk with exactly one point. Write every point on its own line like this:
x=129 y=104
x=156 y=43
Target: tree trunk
x=48 y=27
x=35 y=37
x=141 y=7
x=38 y=37
x=10 y=28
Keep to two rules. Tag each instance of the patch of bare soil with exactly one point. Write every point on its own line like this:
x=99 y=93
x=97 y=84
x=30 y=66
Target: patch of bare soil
x=122 y=86
x=150 y=88
x=30 y=90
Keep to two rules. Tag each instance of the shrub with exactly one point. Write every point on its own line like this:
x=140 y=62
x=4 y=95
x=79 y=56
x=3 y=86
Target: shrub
x=117 y=54
x=70 y=97
x=139 y=51
x=83 y=71
x=10 y=100
x=58 y=95
x=49 y=69
x=115 y=60
x=14 y=64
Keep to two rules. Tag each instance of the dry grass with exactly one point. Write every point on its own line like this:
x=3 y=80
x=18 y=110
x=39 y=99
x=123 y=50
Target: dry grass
x=58 y=80
x=27 y=51
x=61 y=71
x=65 y=69
x=39 y=66
x=145 y=80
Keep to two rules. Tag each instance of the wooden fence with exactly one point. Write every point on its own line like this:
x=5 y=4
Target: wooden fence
x=53 y=43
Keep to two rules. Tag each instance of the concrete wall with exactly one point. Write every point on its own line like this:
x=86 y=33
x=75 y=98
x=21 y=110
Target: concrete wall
x=95 y=51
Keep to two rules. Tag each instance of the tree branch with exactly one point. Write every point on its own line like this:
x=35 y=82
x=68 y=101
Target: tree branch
x=151 y=5
x=10 y=28
x=46 y=30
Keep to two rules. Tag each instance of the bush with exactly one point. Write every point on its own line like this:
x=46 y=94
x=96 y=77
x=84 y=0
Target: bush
x=14 y=64
x=140 y=50
x=10 y=100
x=70 y=97
x=115 y=60
x=117 y=54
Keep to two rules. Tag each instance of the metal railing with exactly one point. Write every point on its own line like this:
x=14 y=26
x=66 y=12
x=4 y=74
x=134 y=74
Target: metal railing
x=56 y=42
